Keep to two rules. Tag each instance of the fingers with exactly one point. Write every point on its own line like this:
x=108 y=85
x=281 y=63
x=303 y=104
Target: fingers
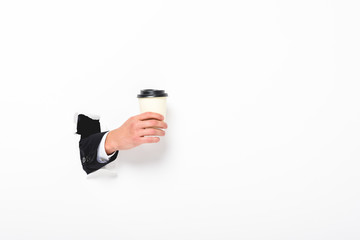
x=150 y=115
x=146 y=126
x=149 y=140
x=152 y=132
x=152 y=124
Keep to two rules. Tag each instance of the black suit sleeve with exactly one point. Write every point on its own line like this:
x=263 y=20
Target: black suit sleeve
x=88 y=152
x=89 y=129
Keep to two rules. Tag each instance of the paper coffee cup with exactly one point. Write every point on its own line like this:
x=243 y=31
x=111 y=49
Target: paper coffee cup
x=153 y=100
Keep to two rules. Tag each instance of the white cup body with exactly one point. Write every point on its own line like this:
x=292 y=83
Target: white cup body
x=153 y=104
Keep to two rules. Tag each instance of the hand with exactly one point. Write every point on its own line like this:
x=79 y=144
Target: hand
x=132 y=133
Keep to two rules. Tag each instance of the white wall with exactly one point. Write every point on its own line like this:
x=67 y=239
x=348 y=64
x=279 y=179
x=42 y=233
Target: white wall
x=264 y=134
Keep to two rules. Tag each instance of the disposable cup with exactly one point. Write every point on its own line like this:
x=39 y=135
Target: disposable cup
x=153 y=100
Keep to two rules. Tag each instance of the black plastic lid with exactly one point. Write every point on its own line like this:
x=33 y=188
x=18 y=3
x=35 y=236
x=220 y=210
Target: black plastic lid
x=152 y=93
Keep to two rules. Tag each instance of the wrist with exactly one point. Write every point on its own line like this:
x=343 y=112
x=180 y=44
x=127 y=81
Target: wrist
x=110 y=144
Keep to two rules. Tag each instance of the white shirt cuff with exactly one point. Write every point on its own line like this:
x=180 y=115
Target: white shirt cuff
x=102 y=157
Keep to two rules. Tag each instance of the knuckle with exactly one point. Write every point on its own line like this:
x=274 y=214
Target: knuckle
x=136 y=132
x=135 y=139
x=132 y=123
x=136 y=124
x=132 y=127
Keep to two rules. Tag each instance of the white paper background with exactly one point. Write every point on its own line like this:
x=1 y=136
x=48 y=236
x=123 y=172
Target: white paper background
x=263 y=139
